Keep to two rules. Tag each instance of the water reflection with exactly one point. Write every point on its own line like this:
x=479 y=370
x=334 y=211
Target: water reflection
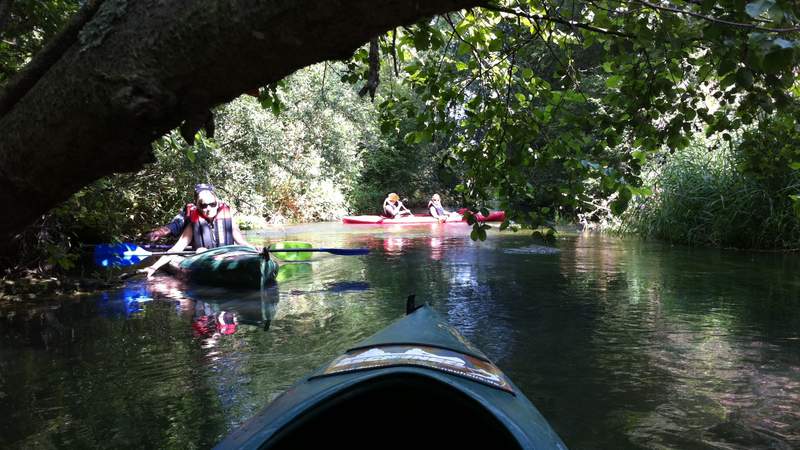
x=620 y=344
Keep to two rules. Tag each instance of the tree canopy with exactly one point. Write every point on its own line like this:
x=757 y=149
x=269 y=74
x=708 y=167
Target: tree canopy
x=546 y=106
x=539 y=105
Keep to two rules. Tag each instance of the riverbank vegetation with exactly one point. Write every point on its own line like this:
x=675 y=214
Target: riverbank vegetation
x=646 y=118
x=741 y=193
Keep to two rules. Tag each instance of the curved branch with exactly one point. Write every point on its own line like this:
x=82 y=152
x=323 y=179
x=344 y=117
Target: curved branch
x=560 y=20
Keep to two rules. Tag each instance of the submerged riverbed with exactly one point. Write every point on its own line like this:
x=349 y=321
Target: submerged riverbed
x=619 y=343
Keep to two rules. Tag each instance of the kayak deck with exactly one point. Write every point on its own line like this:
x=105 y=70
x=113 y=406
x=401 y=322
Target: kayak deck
x=416 y=384
x=235 y=266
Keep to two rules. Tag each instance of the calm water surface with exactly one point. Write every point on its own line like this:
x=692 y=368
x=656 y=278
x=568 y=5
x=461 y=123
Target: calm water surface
x=620 y=344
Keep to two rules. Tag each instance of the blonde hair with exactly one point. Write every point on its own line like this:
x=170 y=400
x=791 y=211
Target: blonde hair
x=394 y=197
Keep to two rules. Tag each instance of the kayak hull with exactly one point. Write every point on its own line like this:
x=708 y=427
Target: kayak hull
x=494 y=216
x=416 y=384
x=235 y=266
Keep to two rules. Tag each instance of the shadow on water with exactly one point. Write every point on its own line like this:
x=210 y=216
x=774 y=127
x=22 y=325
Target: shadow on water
x=620 y=344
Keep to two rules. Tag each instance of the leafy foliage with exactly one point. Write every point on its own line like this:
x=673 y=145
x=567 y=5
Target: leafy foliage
x=26 y=27
x=550 y=107
x=702 y=196
x=295 y=166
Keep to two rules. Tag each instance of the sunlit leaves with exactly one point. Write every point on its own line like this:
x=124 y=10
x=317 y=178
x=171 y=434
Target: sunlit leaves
x=543 y=107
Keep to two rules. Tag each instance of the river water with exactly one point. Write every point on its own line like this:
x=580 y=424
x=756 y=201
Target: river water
x=619 y=343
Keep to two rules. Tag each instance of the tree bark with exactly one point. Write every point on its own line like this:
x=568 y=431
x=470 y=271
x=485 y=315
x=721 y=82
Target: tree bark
x=140 y=67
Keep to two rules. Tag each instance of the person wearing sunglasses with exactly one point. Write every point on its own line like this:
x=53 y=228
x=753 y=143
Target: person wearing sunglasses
x=439 y=213
x=175 y=226
x=208 y=224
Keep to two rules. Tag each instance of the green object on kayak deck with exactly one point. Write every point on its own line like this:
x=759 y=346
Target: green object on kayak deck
x=230 y=266
x=416 y=384
x=290 y=256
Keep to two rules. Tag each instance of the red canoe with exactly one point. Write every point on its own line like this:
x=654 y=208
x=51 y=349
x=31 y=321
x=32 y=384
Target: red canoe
x=494 y=216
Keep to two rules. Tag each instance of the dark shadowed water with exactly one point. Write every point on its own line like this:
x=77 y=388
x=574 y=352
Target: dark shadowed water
x=620 y=344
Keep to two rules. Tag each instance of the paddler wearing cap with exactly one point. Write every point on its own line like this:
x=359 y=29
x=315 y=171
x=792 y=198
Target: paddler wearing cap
x=393 y=207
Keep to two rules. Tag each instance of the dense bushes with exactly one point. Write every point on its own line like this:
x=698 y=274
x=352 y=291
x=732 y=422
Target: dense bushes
x=729 y=196
x=296 y=166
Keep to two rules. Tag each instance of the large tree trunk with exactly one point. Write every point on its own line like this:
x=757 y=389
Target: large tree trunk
x=140 y=67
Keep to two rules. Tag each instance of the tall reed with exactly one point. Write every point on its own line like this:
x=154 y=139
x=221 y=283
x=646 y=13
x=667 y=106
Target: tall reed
x=701 y=197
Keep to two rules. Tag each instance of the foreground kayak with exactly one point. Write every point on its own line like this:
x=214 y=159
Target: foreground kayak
x=494 y=216
x=416 y=384
x=228 y=266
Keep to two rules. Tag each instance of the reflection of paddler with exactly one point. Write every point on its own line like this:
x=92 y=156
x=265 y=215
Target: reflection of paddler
x=208 y=322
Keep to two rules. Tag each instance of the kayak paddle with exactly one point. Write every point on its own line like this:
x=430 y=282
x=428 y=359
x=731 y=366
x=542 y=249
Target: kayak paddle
x=128 y=254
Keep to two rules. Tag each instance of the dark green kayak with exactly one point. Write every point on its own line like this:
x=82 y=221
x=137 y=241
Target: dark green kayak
x=229 y=266
x=416 y=384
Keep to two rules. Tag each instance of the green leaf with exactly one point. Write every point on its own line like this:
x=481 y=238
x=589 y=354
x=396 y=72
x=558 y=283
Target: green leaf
x=640 y=191
x=744 y=78
x=726 y=66
x=527 y=73
x=614 y=82
x=422 y=39
x=795 y=165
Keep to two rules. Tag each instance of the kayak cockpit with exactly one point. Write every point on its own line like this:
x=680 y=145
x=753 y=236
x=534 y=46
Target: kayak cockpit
x=397 y=410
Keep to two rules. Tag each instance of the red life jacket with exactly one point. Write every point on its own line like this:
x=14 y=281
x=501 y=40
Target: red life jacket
x=211 y=234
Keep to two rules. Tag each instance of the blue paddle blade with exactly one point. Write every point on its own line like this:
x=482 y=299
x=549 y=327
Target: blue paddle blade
x=119 y=255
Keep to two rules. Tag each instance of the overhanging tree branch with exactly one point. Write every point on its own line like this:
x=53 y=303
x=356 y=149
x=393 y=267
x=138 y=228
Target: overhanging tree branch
x=747 y=26
x=138 y=69
x=559 y=20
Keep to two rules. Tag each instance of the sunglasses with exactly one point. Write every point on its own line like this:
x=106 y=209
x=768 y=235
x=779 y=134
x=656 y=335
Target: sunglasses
x=208 y=205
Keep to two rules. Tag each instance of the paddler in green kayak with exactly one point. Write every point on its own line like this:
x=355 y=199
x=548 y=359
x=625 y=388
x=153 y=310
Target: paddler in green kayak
x=208 y=224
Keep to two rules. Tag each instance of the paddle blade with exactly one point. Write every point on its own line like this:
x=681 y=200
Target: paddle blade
x=290 y=256
x=119 y=255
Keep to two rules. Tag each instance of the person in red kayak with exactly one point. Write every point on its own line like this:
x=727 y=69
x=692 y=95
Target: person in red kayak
x=209 y=224
x=393 y=207
x=439 y=213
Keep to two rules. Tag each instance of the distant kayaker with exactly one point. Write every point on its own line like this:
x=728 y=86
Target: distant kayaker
x=393 y=207
x=209 y=225
x=175 y=227
x=438 y=212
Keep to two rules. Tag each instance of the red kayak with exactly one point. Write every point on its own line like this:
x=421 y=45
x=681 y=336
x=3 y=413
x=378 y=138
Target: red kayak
x=494 y=216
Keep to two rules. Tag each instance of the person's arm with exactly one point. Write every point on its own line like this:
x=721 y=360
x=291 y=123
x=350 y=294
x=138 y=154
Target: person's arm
x=239 y=238
x=183 y=241
x=174 y=228
x=401 y=207
x=434 y=212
